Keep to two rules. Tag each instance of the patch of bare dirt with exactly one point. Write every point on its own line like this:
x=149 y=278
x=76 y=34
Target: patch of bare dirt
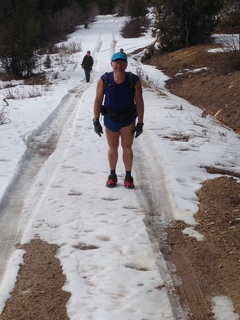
x=206 y=268
x=38 y=293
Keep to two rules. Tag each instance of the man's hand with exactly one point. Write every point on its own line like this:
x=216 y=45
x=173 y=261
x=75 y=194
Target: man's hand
x=97 y=127
x=138 y=129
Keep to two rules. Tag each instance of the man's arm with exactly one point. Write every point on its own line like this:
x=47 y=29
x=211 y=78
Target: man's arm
x=83 y=61
x=97 y=108
x=139 y=101
x=98 y=99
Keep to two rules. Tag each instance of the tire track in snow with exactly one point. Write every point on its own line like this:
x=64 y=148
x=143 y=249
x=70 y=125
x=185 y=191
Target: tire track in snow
x=41 y=144
x=107 y=38
x=153 y=198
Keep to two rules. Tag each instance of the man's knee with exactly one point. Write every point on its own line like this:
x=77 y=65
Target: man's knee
x=127 y=149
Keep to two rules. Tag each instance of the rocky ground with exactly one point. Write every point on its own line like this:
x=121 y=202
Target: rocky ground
x=207 y=268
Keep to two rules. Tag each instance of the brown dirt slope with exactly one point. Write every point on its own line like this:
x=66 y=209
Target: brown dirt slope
x=216 y=89
x=210 y=267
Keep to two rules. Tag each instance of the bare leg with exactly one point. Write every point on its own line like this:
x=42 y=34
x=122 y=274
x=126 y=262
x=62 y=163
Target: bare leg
x=127 y=137
x=113 y=144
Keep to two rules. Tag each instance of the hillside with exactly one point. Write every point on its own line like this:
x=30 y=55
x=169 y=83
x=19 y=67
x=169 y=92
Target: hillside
x=214 y=87
x=210 y=267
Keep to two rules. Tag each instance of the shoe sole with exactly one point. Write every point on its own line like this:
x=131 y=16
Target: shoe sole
x=129 y=186
x=110 y=185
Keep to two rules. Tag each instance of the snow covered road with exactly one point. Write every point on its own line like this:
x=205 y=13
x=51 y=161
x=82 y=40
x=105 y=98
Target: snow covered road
x=41 y=143
x=59 y=196
x=55 y=189
x=69 y=205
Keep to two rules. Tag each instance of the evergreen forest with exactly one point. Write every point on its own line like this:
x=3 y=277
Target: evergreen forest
x=26 y=26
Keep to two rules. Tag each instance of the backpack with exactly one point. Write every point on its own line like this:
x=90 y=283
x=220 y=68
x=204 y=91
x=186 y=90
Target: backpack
x=104 y=111
x=106 y=76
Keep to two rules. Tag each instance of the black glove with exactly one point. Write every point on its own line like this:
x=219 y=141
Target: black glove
x=138 y=129
x=97 y=127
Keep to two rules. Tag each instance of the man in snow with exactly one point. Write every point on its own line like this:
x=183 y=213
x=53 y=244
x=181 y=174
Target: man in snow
x=87 y=64
x=123 y=103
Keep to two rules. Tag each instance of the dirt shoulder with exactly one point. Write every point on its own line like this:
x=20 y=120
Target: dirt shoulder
x=205 y=79
x=211 y=267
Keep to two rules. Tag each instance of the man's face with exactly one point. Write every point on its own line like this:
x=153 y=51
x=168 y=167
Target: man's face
x=119 y=65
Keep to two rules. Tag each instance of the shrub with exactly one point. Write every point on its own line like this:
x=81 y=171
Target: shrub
x=135 y=28
x=48 y=62
x=4 y=115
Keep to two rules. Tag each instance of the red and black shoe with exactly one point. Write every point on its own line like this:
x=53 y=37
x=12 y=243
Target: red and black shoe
x=128 y=182
x=111 y=181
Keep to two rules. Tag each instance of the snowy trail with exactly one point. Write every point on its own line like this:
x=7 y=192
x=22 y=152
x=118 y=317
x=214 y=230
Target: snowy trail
x=66 y=203
x=40 y=145
x=111 y=242
x=106 y=42
x=154 y=199
x=122 y=231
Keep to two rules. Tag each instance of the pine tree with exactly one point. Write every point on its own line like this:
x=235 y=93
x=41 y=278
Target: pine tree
x=230 y=16
x=183 y=23
x=106 y=6
x=20 y=37
x=27 y=25
x=137 y=8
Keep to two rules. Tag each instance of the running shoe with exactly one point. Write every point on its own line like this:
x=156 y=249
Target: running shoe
x=128 y=182
x=111 y=181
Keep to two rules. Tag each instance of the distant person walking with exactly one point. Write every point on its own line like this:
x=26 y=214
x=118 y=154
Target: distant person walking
x=123 y=103
x=87 y=64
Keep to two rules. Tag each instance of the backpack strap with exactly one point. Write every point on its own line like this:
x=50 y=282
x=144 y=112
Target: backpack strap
x=106 y=76
x=131 y=80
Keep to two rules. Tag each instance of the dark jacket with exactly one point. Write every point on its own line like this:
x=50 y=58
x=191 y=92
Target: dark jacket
x=87 y=62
